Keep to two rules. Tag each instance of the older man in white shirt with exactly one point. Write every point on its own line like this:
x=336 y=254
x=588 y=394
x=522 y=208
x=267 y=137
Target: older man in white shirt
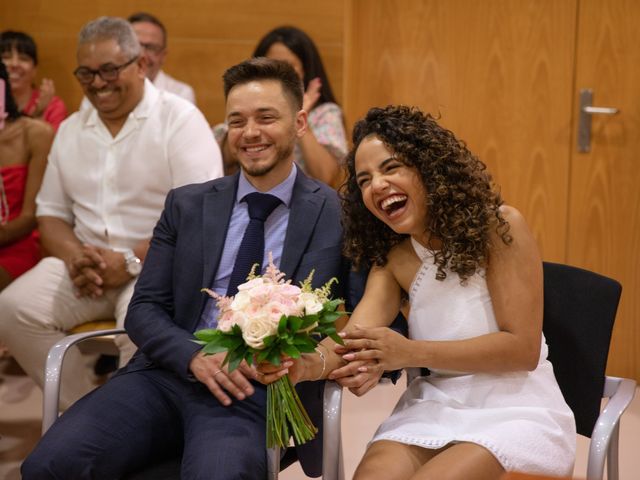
x=109 y=170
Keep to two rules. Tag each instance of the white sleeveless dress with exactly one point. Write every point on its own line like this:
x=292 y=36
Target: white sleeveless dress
x=521 y=417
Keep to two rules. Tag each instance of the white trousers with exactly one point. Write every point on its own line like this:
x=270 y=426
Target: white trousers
x=39 y=307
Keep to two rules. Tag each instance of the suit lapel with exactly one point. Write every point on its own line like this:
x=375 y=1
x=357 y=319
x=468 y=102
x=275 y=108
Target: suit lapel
x=216 y=214
x=306 y=205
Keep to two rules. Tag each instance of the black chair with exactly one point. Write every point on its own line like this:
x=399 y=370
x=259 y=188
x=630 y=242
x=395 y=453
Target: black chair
x=579 y=311
x=169 y=469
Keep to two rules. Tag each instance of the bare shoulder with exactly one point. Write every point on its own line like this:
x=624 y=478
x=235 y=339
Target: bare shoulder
x=404 y=263
x=39 y=136
x=38 y=130
x=522 y=241
x=401 y=253
x=512 y=215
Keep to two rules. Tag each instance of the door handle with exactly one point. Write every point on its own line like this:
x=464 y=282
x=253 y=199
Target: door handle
x=584 y=121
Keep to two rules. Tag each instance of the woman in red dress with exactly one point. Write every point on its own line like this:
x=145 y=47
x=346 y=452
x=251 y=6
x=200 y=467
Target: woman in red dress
x=20 y=55
x=24 y=145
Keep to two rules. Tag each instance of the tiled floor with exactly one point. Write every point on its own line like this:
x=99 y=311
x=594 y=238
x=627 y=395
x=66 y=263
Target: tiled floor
x=20 y=414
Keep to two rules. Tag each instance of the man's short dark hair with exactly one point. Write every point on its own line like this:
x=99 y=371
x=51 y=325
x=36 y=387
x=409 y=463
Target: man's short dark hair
x=147 y=17
x=261 y=68
x=21 y=42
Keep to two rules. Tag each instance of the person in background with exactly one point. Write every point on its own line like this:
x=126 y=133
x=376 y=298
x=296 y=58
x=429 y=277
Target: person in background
x=20 y=55
x=320 y=152
x=24 y=144
x=153 y=39
x=110 y=168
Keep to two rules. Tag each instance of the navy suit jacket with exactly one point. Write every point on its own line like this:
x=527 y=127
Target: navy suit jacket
x=184 y=255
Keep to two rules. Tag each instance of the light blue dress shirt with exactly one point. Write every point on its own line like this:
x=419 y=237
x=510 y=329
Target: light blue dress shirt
x=275 y=229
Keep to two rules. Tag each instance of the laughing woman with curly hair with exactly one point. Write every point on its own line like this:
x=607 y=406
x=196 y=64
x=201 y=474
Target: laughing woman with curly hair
x=421 y=211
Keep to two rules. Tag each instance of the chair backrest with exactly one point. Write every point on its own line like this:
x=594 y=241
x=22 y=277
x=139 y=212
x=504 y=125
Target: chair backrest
x=579 y=311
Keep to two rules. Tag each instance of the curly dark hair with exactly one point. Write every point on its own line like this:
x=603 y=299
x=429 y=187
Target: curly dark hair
x=462 y=204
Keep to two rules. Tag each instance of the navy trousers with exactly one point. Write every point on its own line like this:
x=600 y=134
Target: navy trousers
x=140 y=417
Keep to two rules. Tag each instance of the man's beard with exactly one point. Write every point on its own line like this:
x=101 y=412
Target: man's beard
x=282 y=154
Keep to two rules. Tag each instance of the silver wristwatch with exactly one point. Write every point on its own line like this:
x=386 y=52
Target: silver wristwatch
x=132 y=264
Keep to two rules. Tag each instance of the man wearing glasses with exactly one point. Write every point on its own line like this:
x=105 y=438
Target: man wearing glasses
x=153 y=39
x=109 y=170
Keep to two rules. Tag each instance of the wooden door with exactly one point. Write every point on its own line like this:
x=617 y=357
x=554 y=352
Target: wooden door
x=500 y=75
x=604 y=208
x=504 y=76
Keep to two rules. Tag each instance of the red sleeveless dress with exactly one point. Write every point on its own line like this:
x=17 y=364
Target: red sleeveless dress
x=19 y=256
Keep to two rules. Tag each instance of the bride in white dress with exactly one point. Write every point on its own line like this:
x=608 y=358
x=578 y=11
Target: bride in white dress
x=420 y=208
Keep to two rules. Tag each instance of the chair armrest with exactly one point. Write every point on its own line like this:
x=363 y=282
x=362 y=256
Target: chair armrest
x=332 y=461
x=620 y=392
x=53 y=370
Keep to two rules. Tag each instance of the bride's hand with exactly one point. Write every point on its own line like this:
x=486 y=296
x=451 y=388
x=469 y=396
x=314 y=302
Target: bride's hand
x=358 y=376
x=389 y=349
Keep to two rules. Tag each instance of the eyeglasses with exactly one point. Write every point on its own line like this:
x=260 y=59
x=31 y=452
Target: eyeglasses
x=152 y=47
x=108 y=72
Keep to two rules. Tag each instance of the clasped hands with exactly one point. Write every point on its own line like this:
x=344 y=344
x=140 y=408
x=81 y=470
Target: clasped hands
x=369 y=353
x=366 y=354
x=93 y=269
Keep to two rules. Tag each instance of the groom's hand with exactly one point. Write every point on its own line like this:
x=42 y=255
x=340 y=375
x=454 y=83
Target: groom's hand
x=208 y=370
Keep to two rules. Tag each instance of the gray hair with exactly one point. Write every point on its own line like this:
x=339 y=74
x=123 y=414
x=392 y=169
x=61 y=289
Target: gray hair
x=111 y=28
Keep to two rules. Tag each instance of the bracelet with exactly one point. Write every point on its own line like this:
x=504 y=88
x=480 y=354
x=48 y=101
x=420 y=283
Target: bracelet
x=324 y=364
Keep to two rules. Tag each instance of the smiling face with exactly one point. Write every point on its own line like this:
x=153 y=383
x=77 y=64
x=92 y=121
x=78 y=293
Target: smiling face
x=22 y=71
x=115 y=99
x=263 y=129
x=391 y=190
x=152 y=41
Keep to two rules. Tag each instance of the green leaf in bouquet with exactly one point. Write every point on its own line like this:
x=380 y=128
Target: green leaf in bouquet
x=308 y=320
x=305 y=343
x=303 y=339
x=330 y=317
x=307 y=348
x=282 y=325
x=272 y=355
x=248 y=356
x=291 y=350
x=336 y=338
x=331 y=305
x=213 y=347
x=235 y=356
x=295 y=323
x=231 y=342
x=206 y=334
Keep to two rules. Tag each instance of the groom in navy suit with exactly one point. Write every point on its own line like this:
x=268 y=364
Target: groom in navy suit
x=171 y=397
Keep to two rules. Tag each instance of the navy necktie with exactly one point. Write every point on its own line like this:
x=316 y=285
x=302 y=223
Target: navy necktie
x=252 y=247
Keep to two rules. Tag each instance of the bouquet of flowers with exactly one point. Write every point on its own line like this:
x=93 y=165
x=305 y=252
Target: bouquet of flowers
x=269 y=318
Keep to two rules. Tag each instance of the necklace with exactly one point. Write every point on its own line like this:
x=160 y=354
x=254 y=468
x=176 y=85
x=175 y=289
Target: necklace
x=4 y=205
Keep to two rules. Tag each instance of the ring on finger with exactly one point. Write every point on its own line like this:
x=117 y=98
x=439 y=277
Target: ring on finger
x=217 y=372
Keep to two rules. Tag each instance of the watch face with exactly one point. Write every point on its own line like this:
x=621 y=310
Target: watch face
x=134 y=266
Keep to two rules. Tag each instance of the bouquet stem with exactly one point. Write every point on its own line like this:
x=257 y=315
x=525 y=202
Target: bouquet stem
x=285 y=409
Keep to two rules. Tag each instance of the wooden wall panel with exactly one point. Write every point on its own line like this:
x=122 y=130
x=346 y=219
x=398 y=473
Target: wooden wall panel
x=604 y=233
x=500 y=75
x=205 y=37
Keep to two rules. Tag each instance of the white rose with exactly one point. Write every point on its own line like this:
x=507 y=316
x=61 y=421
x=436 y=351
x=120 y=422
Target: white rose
x=240 y=301
x=310 y=303
x=256 y=328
